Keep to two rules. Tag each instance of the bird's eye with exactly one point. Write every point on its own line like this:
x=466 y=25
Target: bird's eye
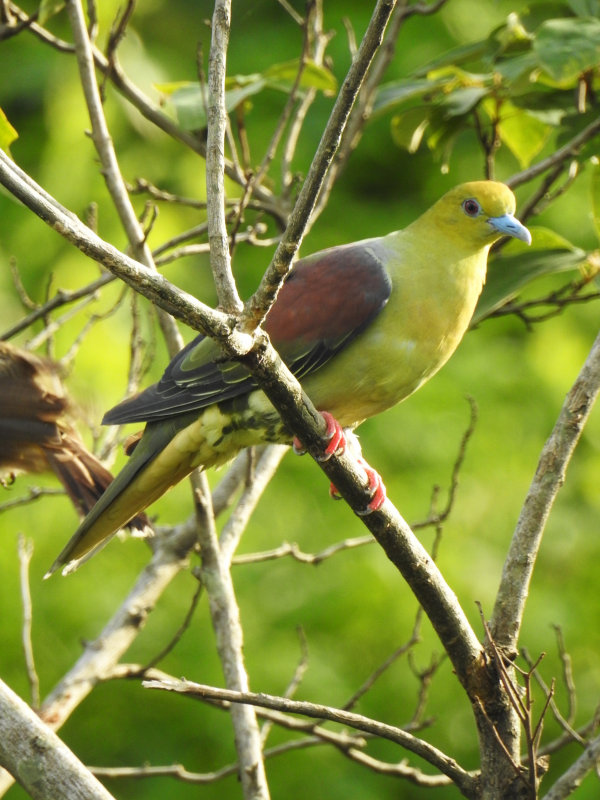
x=471 y=207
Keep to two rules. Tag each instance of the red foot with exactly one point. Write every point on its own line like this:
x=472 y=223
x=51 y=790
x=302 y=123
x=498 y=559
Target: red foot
x=377 y=488
x=374 y=484
x=334 y=433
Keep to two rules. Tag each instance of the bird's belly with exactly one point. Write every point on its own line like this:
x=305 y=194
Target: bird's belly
x=366 y=380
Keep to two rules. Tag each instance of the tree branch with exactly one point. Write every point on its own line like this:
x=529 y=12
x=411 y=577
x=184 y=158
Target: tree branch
x=39 y=760
x=548 y=479
x=216 y=114
x=260 y=302
x=426 y=751
x=108 y=159
x=571 y=779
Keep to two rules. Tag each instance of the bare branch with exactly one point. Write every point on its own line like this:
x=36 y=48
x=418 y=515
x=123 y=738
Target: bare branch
x=563 y=153
x=259 y=304
x=571 y=779
x=25 y=548
x=426 y=751
x=43 y=764
x=61 y=298
x=216 y=114
x=108 y=159
x=549 y=477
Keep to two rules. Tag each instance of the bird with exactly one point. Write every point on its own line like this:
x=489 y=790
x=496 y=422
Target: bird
x=362 y=326
x=37 y=431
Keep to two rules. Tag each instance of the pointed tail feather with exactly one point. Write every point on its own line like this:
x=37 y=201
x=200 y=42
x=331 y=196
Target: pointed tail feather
x=115 y=507
x=84 y=478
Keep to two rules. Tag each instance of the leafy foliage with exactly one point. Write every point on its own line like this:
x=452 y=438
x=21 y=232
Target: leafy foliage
x=515 y=87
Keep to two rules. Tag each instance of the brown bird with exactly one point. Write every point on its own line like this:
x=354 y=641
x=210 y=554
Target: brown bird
x=37 y=433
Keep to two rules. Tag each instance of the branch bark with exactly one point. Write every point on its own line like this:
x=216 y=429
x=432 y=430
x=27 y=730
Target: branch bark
x=549 y=477
x=38 y=759
x=431 y=754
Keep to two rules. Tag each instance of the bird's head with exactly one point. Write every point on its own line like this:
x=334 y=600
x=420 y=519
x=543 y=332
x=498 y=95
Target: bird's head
x=478 y=213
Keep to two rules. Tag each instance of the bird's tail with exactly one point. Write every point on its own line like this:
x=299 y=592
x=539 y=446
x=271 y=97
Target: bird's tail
x=117 y=505
x=84 y=478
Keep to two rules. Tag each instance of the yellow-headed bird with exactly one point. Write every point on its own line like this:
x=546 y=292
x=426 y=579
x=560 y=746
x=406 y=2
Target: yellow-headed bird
x=362 y=326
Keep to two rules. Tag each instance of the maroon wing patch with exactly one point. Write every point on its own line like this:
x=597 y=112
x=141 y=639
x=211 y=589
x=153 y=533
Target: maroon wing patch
x=326 y=301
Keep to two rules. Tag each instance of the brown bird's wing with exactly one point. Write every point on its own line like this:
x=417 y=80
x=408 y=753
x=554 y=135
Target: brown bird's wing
x=325 y=302
x=36 y=434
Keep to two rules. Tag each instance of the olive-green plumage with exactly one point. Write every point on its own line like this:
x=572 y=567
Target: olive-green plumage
x=361 y=325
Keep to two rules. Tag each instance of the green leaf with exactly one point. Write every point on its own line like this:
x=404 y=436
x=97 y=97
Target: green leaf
x=283 y=76
x=7 y=133
x=518 y=265
x=409 y=128
x=465 y=53
x=398 y=92
x=585 y=8
x=515 y=68
x=188 y=96
x=568 y=47
x=462 y=101
x=523 y=133
x=49 y=8
x=188 y=100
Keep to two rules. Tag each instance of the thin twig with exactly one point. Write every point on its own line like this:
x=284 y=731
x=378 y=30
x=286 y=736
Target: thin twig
x=33 y=493
x=563 y=153
x=216 y=115
x=108 y=158
x=431 y=754
x=25 y=548
x=260 y=302
x=572 y=778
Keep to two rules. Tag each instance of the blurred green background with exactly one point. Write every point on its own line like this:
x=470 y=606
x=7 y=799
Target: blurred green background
x=354 y=608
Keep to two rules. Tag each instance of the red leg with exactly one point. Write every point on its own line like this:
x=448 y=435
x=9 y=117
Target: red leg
x=377 y=487
x=335 y=434
x=336 y=445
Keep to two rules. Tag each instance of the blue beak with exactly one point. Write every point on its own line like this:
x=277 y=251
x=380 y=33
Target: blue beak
x=510 y=226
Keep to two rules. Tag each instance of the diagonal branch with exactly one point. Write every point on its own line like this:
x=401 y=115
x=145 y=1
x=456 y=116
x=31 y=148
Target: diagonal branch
x=548 y=479
x=260 y=302
x=108 y=159
x=40 y=761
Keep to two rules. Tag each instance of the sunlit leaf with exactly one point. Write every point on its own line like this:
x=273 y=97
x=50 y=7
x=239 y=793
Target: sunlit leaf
x=172 y=86
x=188 y=97
x=518 y=265
x=188 y=100
x=459 y=76
x=7 y=133
x=523 y=133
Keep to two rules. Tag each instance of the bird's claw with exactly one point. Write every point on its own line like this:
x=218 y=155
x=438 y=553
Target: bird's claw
x=376 y=487
x=374 y=484
x=333 y=492
x=335 y=435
